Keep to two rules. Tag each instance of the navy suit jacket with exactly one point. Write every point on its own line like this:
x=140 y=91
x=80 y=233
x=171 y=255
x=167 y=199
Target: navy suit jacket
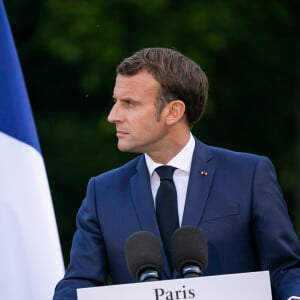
x=238 y=205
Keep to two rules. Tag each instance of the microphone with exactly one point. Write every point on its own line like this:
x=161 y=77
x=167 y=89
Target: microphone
x=143 y=256
x=189 y=251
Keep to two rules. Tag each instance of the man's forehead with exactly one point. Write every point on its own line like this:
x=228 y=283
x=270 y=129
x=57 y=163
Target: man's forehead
x=142 y=82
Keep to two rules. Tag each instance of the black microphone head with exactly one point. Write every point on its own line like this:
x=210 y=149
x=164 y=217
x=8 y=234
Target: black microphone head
x=189 y=247
x=143 y=252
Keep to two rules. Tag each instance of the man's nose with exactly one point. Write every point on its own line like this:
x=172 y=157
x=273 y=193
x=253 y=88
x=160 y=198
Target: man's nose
x=114 y=114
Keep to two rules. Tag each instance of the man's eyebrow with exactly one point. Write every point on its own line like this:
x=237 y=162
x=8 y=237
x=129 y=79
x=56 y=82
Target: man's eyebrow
x=124 y=99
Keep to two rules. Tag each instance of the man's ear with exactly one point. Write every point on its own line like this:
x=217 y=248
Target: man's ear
x=176 y=111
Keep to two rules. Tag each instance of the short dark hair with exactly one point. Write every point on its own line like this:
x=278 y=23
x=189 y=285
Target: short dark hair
x=179 y=76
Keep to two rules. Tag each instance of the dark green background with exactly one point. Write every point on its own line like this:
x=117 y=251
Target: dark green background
x=250 y=51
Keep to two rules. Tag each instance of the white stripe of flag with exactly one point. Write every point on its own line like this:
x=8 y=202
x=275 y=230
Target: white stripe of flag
x=30 y=255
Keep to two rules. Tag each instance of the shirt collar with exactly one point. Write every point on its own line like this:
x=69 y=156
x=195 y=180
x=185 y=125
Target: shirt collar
x=181 y=161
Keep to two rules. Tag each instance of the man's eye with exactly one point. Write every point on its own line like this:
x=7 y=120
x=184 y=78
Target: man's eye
x=129 y=103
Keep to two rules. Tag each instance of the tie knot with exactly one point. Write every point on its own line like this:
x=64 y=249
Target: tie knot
x=165 y=172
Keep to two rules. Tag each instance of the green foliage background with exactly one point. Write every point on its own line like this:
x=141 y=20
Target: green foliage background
x=250 y=51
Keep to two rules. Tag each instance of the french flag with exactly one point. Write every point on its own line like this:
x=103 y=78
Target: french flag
x=31 y=261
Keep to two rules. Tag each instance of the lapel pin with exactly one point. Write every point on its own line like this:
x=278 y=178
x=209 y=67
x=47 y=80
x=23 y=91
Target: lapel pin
x=203 y=173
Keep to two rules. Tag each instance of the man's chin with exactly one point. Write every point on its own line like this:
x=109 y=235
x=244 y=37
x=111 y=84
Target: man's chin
x=127 y=148
x=123 y=148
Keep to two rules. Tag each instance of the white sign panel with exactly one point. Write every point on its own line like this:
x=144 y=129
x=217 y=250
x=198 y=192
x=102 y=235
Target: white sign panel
x=242 y=286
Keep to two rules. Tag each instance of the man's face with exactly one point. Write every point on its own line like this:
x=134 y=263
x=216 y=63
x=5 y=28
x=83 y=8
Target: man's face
x=138 y=127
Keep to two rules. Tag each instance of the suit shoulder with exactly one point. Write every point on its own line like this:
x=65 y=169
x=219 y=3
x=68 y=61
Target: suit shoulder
x=219 y=151
x=233 y=162
x=231 y=156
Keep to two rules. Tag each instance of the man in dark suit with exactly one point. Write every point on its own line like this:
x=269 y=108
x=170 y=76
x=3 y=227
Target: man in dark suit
x=233 y=197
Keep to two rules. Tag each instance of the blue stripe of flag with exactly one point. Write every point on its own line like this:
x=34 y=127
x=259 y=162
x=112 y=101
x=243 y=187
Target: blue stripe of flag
x=16 y=117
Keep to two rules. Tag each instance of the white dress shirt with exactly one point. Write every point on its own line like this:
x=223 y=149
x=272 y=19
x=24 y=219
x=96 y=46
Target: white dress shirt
x=182 y=162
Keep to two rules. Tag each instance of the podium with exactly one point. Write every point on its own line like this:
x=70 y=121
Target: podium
x=241 y=286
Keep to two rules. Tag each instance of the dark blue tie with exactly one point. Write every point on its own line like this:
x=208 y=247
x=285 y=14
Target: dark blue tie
x=166 y=206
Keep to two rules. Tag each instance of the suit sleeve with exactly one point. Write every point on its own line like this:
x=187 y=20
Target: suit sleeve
x=277 y=243
x=88 y=264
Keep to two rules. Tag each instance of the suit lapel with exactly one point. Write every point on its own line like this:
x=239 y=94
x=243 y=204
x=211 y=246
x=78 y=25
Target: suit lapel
x=142 y=197
x=201 y=177
x=144 y=205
